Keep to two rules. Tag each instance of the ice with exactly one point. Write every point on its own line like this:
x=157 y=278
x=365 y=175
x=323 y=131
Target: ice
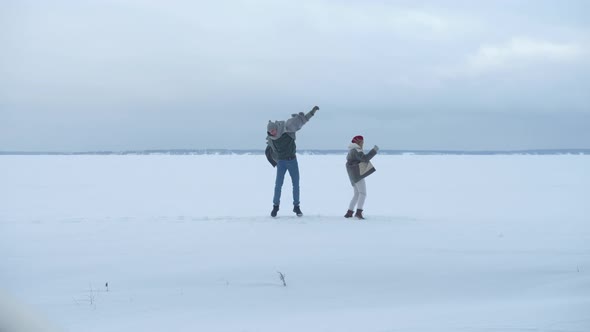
x=186 y=243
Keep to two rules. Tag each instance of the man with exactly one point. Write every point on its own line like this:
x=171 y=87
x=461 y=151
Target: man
x=280 y=152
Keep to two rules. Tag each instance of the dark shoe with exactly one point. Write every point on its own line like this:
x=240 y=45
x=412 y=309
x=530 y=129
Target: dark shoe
x=297 y=210
x=275 y=209
x=359 y=214
x=348 y=214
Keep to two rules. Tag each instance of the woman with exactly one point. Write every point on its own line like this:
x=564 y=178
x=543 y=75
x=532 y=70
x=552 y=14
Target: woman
x=358 y=167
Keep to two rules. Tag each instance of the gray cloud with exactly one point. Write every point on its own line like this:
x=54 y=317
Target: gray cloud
x=143 y=74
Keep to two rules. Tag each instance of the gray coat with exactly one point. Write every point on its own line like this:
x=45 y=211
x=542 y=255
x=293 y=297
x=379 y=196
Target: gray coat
x=288 y=127
x=358 y=163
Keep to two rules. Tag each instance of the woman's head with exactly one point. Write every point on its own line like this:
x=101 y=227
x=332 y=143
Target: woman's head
x=358 y=139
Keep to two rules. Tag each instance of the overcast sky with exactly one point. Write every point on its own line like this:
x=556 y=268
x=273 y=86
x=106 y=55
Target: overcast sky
x=138 y=74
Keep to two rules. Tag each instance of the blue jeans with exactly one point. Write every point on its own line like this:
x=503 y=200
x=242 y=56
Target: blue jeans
x=282 y=167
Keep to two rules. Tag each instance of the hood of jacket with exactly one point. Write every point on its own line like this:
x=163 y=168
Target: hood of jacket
x=279 y=126
x=354 y=146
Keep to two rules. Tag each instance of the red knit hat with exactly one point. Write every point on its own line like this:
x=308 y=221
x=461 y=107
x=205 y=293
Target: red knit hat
x=357 y=138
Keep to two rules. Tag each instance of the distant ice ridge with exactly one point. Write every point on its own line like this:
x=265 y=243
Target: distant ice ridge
x=308 y=152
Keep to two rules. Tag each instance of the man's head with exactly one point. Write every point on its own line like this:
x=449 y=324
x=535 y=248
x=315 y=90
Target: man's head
x=272 y=128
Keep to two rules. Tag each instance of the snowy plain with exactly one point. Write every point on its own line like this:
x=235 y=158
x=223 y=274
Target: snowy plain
x=186 y=243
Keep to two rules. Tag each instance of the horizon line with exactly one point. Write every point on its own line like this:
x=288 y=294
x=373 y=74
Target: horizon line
x=205 y=151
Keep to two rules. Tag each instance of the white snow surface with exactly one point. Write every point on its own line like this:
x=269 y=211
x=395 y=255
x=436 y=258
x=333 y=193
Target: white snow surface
x=186 y=243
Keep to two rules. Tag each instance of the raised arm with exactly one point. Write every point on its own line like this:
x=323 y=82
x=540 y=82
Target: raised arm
x=298 y=120
x=362 y=157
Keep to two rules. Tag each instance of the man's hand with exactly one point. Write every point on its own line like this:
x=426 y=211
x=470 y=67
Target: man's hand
x=376 y=148
x=315 y=108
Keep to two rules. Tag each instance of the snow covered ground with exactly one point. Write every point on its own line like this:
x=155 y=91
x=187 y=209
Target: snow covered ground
x=185 y=243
